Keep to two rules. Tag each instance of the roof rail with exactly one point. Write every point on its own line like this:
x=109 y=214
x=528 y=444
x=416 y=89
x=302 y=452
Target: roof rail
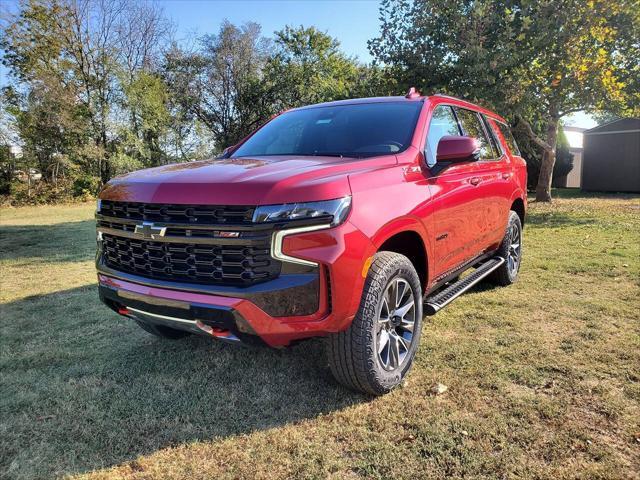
x=442 y=95
x=450 y=96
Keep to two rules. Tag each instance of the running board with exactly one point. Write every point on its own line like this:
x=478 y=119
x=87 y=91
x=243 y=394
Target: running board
x=441 y=299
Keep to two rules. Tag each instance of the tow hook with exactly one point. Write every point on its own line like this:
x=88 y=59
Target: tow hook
x=219 y=333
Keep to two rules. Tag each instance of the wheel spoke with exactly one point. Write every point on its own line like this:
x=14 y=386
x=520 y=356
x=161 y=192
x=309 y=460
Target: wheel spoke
x=404 y=309
x=401 y=287
x=383 y=340
x=384 y=312
x=407 y=325
x=403 y=343
x=394 y=351
x=390 y=297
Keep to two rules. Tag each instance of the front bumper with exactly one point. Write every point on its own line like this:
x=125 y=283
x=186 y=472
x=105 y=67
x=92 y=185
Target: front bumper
x=276 y=313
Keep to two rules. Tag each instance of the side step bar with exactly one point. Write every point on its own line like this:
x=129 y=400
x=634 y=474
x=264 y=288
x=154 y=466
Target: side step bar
x=441 y=299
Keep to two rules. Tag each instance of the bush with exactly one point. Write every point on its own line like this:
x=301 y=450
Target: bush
x=40 y=193
x=86 y=187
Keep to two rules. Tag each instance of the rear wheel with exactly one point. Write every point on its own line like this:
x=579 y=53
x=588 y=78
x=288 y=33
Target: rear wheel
x=375 y=353
x=162 y=331
x=511 y=250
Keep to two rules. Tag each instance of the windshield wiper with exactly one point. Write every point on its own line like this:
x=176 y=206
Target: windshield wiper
x=325 y=154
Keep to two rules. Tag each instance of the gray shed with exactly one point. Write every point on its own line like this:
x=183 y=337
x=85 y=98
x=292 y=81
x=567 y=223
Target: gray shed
x=611 y=157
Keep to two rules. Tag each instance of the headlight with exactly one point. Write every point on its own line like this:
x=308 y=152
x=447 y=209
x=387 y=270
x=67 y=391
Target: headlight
x=98 y=205
x=334 y=212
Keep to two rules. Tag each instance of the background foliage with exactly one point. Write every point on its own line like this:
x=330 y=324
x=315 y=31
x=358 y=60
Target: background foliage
x=100 y=87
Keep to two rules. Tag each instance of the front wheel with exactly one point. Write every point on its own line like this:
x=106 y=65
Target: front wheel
x=375 y=353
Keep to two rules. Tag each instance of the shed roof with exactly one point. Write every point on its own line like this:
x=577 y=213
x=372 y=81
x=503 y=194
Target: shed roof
x=619 y=125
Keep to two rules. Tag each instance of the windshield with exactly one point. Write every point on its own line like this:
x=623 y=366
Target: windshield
x=357 y=130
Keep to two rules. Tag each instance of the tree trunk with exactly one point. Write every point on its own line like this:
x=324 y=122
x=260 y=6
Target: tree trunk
x=543 y=189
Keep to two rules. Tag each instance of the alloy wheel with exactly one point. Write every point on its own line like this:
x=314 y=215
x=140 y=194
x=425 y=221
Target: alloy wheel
x=395 y=324
x=513 y=256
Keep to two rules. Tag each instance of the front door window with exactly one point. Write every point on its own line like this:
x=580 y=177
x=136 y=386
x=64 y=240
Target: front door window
x=443 y=123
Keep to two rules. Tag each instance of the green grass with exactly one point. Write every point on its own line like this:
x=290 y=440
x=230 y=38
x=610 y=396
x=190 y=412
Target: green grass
x=543 y=376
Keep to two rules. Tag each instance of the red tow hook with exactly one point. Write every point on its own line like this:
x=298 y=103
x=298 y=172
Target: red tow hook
x=123 y=311
x=216 y=332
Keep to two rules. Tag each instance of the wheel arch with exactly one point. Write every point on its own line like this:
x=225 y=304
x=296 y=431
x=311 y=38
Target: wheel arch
x=517 y=205
x=410 y=243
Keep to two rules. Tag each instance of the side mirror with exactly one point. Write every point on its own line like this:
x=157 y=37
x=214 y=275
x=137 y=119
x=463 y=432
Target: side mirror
x=455 y=149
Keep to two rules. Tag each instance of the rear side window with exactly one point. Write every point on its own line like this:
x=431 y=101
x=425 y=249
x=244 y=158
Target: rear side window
x=443 y=123
x=473 y=127
x=508 y=138
x=493 y=138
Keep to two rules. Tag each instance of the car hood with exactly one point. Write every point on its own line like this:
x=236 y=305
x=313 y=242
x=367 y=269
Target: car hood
x=242 y=181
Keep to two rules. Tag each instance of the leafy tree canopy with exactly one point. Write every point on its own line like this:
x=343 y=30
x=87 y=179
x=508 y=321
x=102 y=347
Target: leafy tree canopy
x=534 y=61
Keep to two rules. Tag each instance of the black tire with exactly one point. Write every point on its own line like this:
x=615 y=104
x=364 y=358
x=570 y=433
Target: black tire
x=162 y=331
x=354 y=355
x=507 y=273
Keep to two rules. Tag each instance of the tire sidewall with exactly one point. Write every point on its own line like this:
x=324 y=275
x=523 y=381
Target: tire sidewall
x=514 y=219
x=385 y=379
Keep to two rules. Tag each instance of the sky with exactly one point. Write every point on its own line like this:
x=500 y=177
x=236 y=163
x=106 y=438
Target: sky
x=352 y=22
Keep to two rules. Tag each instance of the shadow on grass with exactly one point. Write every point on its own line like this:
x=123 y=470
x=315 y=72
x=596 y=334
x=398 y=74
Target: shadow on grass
x=555 y=219
x=62 y=242
x=84 y=388
x=577 y=193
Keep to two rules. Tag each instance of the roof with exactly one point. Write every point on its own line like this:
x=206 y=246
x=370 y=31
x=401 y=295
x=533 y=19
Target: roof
x=619 y=125
x=396 y=99
x=355 y=101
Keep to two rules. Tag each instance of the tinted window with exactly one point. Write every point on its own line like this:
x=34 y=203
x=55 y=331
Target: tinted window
x=472 y=126
x=495 y=144
x=508 y=138
x=443 y=123
x=349 y=130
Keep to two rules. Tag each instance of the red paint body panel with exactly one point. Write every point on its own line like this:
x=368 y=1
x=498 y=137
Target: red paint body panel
x=457 y=213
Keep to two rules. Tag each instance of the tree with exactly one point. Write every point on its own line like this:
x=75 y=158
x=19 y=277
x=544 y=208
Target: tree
x=145 y=98
x=534 y=154
x=236 y=80
x=536 y=61
x=75 y=54
x=214 y=82
x=308 y=67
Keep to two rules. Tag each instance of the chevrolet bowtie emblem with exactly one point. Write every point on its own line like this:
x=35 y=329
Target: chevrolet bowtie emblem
x=149 y=231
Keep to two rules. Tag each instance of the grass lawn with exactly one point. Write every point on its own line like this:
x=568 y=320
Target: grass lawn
x=543 y=376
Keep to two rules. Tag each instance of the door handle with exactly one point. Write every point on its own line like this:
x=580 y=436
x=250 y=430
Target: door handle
x=506 y=176
x=474 y=180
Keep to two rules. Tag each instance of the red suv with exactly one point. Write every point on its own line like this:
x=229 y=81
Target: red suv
x=348 y=220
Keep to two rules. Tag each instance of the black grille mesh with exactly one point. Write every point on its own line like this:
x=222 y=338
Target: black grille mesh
x=193 y=263
x=194 y=214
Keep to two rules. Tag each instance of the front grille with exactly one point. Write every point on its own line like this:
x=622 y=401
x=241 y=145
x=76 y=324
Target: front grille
x=181 y=231
x=189 y=214
x=190 y=262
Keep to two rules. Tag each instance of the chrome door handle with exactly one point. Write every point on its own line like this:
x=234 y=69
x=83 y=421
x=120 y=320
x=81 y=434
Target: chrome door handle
x=474 y=180
x=506 y=176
